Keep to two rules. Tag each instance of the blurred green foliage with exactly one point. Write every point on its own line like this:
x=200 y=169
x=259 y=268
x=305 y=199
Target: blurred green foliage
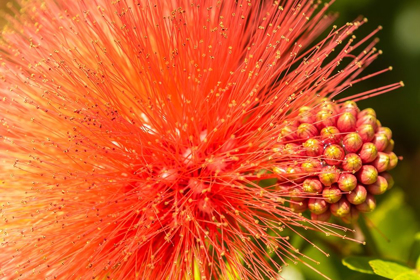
x=392 y=230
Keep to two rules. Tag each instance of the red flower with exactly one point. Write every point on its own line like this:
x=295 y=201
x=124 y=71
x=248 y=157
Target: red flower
x=136 y=136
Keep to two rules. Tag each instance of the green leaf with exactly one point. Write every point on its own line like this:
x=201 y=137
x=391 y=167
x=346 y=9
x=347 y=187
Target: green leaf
x=360 y=264
x=414 y=251
x=418 y=264
x=389 y=218
x=387 y=269
x=412 y=275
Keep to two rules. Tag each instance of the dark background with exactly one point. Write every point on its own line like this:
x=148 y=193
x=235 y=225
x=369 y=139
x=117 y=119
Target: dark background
x=397 y=218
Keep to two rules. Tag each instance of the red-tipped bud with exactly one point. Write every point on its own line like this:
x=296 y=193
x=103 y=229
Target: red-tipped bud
x=379 y=187
x=368 y=205
x=330 y=135
x=329 y=175
x=317 y=205
x=306 y=115
x=297 y=195
x=313 y=147
x=312 y=186
x=358 y=195
x=367 y=119
x=389 y=179
x=352 y=217
x=381 y=163
x=350 y=107
x=352 y=162
x=367 y=132
x=299 y=206
x=390 y=146
x=325 y=118
x=332 y=194
x=328 y=105
x=352 y=142
x=292 y=150
x=307 y=130
x=393 y=161
x=386 y=131
x=341 y=208
x=367 y=175
x=324 y=217
x=368 y=153
x=288 y=133
x=311 y=165
x=289 y=173
x=380 y=141
x=333 y=154
x=346 y=122
x=367 y=112
x=347 y=182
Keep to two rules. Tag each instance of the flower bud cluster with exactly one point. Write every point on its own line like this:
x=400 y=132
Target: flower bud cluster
x=341 y=158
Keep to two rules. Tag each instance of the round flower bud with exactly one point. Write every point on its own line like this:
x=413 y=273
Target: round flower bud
x=367 y=119
x=341 y=208
x=311 y=165
x=306 y=130
x=350 y=107
x=380 y=141
x=357 y=196
x=393 y=161
x=288 y=133
x=294 y=173
x=379 y=187
x=367 y=132
x=299 y=206
x=325 y=118
x=333 y=154
x=312 y=186
x=292 y=150
x=347 y=182
x=313 y=147
x=317 y=205
x=352 y=162
x=389 y=179
x=352 y=142
x=386 y=131
x=368 y=205
x=332 y=194
x=346 y=122
x=324 y=217
x=327 y=104
x=330 y=135
x=367 y=112
x=368 y=153
x=306 y=115
x=390 y=146
x=329 y=175
x=381 y=163
x=352 y=217
x=297 y=195
x=367 y=175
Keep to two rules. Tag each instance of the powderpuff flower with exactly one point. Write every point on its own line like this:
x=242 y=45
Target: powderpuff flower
x=138 y=137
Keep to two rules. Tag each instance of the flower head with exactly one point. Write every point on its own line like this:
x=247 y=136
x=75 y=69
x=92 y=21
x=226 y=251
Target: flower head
x=138 y=137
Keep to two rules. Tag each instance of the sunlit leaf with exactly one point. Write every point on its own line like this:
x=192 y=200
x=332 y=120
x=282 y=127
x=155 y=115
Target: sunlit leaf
x=412 y=275
x=388 y=269
x=360 y=264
